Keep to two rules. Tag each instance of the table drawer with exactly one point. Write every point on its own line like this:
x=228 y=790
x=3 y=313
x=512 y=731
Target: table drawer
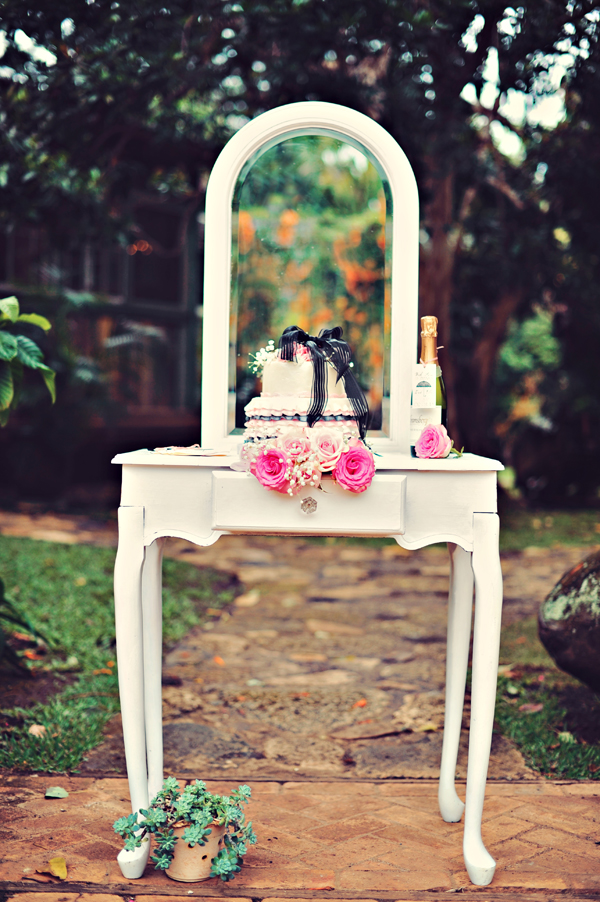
x=241 y=504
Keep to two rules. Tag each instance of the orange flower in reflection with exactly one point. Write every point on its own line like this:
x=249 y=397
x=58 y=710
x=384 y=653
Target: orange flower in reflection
x=246 y=231
x=357 y=278
x=286 y=231
x=298 y=272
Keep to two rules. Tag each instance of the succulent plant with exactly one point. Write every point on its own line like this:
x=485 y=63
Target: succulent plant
x=199 y=809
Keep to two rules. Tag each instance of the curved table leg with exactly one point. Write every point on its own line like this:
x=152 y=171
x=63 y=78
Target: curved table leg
x=486 y=644
x=460 y=606
x=152 y=618
x=130 y=658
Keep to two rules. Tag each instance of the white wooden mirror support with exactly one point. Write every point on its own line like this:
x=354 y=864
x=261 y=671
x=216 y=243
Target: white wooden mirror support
x=416 y=502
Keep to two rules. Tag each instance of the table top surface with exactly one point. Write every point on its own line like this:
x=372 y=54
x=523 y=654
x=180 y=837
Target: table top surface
x=390 y=460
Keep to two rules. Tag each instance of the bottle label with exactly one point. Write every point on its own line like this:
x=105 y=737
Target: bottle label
x=423 y=389
x=421 y=417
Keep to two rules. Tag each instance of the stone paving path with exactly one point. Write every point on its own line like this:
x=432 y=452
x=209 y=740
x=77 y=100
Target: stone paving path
x=332 y=663
x=323 y=681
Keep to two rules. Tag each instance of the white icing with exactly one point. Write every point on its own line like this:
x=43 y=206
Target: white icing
x=288 y=405
x=295 y=378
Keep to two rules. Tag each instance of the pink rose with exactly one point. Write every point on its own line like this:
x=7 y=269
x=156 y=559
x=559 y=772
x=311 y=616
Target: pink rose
x=294 y=444
x=355 y=468
x=433 y=442
x=328 y=445
x=271 y=470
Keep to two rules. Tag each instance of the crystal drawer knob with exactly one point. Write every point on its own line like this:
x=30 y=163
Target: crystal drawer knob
x=308 y=505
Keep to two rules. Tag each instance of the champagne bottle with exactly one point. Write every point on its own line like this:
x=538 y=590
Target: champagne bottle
x=429 y=393
x=429 y=354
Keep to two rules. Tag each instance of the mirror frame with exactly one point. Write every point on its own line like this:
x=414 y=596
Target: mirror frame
x=269 y=128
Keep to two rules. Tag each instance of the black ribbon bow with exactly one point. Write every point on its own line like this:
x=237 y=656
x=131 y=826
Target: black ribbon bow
x=327 y=347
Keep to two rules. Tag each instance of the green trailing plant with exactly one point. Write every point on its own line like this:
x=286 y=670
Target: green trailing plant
x=17 y=352
x=9 y=615
x=197 y=809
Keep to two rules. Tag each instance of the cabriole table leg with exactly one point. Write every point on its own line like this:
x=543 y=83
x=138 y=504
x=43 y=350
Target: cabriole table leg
x=460 y=605
x=130 y=658
x=152 y=618
x=486 y=644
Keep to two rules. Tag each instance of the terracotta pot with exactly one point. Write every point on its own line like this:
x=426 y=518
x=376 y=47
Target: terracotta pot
x=192 y=863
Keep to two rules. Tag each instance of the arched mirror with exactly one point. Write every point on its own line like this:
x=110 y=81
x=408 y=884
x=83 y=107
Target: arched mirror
x=311 y=246
x=311 y=220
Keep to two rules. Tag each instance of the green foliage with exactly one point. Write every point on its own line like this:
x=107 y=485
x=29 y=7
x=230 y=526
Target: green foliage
x=119 y=101
x=536 y=718
x=10 y=615
x=18 y=351
x=553 y=719
x=42 y=450
x=197 y=808
x=66 y=592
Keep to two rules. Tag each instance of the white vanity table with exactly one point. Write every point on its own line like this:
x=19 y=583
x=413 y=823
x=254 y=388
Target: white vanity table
x=416 y=502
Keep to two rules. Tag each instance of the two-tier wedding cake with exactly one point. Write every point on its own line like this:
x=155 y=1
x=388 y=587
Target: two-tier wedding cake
x=311 y=416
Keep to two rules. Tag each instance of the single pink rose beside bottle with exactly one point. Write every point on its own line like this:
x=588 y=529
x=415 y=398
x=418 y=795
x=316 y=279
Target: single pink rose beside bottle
x=355 y=469
x=433 y=442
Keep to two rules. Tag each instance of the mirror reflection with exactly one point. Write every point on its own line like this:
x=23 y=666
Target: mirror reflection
x=311 y=247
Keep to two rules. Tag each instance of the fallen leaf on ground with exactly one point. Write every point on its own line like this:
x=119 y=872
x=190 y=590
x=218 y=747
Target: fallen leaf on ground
x=361 y=703
x=219 y=660
x=56 y=792
x=531 y=708
x=330 y=626
x=37 y=729
x=57 y=867
x=248 y=600
x=26 y=637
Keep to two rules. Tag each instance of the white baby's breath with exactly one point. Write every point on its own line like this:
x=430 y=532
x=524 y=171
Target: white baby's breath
x=262 y=356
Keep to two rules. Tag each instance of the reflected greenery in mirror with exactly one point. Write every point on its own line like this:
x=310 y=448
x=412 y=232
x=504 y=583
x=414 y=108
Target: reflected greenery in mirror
x=311 y=247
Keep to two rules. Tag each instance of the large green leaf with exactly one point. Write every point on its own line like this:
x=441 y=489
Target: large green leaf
x=8 y=346
x=17 y=374
x=49 y=376
x=28 y=352
x=4 y=415
x=35 y=319
x=6 y=385
x=9 y=309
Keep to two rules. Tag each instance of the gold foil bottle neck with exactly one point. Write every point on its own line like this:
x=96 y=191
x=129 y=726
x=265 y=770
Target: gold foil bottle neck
x=429 y=326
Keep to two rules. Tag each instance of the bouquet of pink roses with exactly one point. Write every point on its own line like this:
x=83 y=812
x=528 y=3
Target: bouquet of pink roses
x=299 y=456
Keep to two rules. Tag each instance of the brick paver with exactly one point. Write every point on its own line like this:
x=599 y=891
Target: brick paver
x=310 y=840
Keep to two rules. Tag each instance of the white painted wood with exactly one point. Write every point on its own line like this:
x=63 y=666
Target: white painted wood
x=241 y=504
x=460 y=604
x=417 y=502
x=129 y=631
x=486 y=647
x=386 y=460
x=275 y=125
x=152 y=620
x=438 y=506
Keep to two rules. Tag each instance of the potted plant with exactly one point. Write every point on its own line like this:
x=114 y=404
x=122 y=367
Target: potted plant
x=198 y=834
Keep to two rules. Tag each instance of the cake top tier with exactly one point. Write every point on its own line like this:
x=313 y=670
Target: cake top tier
x=295 y=378
x=315 y=367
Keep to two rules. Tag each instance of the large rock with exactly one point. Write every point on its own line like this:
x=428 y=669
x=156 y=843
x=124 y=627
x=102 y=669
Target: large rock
x=569 y=622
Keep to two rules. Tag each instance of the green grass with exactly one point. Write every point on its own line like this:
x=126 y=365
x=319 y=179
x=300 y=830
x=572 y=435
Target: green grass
x=66 y=592
x=558 y=730
x=521 y=528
